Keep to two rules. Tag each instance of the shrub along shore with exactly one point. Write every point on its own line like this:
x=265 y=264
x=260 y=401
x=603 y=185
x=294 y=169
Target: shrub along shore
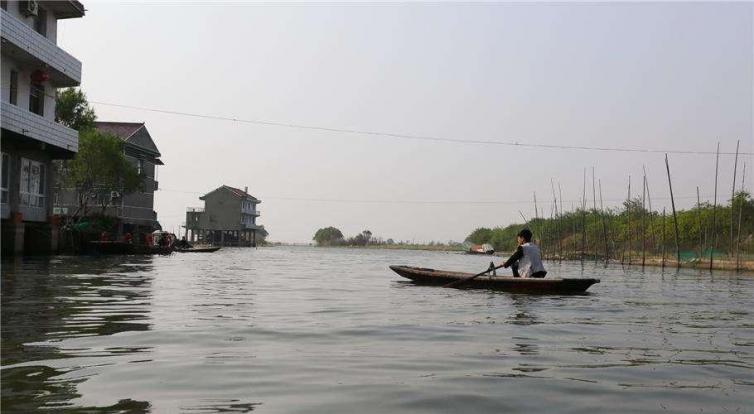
x=635 y=235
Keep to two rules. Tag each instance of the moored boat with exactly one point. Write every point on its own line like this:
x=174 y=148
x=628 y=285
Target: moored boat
x=197 y=249
x=481 y=249
x=424 y=276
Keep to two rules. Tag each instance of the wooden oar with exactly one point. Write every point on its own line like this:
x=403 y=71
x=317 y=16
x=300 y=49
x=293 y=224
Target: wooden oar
x=458 y=282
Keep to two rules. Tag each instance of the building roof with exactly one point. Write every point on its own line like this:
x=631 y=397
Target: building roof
x=122 y=130
x=234 y=191
x=133 y=133
x=65 y=9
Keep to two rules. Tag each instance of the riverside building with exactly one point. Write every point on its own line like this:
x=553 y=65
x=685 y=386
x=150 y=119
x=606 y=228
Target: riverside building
x=32 y=67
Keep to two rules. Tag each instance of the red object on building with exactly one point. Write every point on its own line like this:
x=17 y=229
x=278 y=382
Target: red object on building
x=39 y=76
x=18 y=218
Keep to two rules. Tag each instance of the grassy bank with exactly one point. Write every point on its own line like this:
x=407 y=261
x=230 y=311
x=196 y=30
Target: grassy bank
x=625 y=235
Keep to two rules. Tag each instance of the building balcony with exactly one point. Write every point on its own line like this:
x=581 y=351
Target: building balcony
x=255 y=213
x=24 y=44
x=195 y=209
x=21 y=121
x=249 y=226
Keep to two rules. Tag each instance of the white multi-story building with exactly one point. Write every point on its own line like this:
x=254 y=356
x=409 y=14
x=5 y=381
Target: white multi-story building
x=32 y=68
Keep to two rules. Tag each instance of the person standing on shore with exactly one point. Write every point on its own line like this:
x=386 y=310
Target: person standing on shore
x=526 y=261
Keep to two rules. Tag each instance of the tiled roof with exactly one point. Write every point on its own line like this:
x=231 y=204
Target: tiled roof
x=238 y=192
x=235 y=191
x=122 y=130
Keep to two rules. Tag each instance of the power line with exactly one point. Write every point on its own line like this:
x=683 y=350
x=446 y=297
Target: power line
x=416 y=137
x=419 y=202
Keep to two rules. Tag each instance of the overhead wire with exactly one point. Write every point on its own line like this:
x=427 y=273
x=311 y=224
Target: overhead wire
x=516 y=143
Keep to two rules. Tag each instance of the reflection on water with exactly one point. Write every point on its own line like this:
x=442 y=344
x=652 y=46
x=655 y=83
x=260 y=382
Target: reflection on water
x=46 y=301
x=333 y=330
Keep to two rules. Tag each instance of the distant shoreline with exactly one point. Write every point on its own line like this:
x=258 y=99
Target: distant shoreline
x=745 y=265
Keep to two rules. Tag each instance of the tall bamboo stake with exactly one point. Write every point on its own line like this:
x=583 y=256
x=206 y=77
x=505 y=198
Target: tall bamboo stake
x=643 y=222
x=740 y=213
x=560 y=219
x=732 y=196
x=559 y=224
x=651 y=212
x=699 y=218
x=594 y=210
x=604 y=226
x=583 y=218
x=714 y=209
x=663 y=237
x=675 y=218
x=536 y=217
x=628 y=226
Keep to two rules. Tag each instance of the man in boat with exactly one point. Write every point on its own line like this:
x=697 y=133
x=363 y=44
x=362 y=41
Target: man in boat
x=526 y=261
x=183 y=244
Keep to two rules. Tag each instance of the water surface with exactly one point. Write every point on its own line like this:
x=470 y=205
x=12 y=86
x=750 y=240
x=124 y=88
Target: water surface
x=307 y=330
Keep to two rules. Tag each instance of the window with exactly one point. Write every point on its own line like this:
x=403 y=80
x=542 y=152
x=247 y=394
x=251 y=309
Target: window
x=4 y=5
x=40 y=22
x=37 y=99
x=5 y=178
x=33 y=183
x=13 y=98
x=140 y=166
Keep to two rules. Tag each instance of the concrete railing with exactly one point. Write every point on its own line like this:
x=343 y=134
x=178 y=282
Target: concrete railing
x=20 y=120
x=22 y=37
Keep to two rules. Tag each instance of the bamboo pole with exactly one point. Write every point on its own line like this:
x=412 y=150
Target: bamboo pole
x=663 y=237
x=699 y=218
x=559 y=224
x=714 y=209
x=560 y=219
x=643 y=222
x=583 y=218
x=732 y=196
x=594 y=211
x=740 y=213
x=651 y=211
x=536 y=217
x=628 y=225
x=675 y=217
x=604 y=226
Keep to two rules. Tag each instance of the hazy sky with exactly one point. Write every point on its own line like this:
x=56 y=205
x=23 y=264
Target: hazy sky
x=638 y=75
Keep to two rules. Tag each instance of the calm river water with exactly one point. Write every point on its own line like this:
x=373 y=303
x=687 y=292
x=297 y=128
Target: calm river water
x=307 y=330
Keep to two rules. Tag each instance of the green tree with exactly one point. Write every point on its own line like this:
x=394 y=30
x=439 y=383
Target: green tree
x=100 y=173
x=73 y=110
x=328 y=236
x=480 y=236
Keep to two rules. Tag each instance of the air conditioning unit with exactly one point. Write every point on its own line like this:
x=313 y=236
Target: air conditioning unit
x=30 y=8
x=114 y=194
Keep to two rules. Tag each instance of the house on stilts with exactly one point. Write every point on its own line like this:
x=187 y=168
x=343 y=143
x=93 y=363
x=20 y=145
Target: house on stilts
x=228 y=218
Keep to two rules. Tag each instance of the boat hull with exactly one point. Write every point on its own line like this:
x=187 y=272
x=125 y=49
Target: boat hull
x=432 y=277
x=198 y=250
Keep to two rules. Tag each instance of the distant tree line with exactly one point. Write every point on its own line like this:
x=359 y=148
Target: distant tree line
x=627 y=232
x=331 y=236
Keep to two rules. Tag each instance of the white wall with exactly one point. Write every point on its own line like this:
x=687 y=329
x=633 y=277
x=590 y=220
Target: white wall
x=52 y=22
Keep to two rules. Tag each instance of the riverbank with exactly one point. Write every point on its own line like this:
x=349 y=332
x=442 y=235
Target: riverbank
x=718 y=263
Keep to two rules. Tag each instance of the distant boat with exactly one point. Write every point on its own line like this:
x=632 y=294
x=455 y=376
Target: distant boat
x=423 y=276
x=197 y=249
x=119 y=247
x=485 y=248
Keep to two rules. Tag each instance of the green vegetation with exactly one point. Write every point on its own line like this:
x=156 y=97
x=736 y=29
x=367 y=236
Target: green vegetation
x=73 y=110
x=100 y=172
x=328 y=236
x=610 y=232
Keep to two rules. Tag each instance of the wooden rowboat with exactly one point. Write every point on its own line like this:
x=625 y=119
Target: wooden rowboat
x=423 y=276
x=198 y=250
